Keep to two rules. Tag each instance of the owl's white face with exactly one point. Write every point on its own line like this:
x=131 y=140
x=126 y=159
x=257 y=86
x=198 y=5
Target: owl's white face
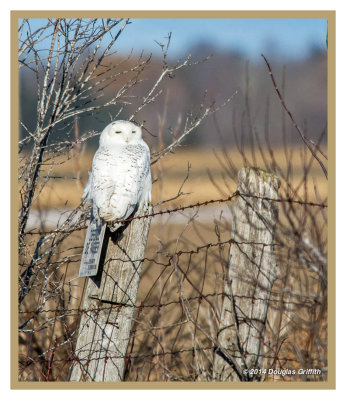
x=121 y=132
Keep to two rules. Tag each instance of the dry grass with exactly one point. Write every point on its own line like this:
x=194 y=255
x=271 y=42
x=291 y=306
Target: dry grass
x=164 y=329
x=66 y=190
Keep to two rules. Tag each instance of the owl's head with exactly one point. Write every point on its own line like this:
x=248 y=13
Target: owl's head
x=120 y=132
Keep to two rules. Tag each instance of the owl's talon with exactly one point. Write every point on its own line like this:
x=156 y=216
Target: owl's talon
x=114 y=226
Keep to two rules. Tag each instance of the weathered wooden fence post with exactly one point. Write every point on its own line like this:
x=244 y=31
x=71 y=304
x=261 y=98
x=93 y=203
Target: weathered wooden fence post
x=109 y=302
x=251 y=275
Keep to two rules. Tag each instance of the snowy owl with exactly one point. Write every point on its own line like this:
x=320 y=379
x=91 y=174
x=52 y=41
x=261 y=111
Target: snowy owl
x=120 y=179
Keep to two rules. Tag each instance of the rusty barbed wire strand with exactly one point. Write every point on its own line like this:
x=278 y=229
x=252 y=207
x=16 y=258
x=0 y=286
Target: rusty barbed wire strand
x=77 y=311
x=182 y=208
x=170 y=256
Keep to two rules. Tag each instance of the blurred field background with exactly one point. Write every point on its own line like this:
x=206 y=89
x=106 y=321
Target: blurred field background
x=203 y=169
x=251 y=130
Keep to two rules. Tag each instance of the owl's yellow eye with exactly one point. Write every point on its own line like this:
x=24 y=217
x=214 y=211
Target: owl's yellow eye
x=133 y=131
x=117 y=131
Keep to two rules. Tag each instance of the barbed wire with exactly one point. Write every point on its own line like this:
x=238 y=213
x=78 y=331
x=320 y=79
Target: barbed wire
x=77 y=311
x=60 y=352
x=190 y=206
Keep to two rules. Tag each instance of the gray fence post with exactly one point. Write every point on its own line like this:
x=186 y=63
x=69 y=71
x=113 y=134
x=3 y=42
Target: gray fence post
x=251 y=275
x=109 y=302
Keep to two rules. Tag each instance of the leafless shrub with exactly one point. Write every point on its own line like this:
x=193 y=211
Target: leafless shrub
x=177 y=315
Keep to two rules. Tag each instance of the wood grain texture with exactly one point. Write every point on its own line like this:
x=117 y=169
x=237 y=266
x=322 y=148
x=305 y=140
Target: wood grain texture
x=251 y=274
x=109 y=304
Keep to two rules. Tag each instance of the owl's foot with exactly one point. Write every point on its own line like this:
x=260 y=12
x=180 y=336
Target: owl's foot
x=114 y=226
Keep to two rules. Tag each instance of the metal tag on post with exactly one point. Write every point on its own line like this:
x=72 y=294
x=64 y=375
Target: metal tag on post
x=92 y=247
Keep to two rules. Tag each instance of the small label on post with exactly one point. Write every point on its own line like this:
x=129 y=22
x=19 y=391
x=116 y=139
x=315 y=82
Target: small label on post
x=92 y=247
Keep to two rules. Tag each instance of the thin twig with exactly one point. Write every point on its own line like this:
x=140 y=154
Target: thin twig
x=308 y=142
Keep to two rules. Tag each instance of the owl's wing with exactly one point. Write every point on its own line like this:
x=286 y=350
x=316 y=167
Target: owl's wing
x=146 y=184
x=132 y=181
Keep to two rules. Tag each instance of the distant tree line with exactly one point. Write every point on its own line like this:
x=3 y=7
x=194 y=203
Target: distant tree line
x=304 y=84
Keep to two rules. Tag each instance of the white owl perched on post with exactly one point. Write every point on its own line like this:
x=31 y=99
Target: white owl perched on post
x=120 y=181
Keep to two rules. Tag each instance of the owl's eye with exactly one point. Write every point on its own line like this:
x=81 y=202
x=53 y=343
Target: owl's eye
x=117 y=131
x=133 y=131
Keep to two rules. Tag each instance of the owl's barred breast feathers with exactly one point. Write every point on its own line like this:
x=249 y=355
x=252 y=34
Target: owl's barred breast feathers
x=120 y=179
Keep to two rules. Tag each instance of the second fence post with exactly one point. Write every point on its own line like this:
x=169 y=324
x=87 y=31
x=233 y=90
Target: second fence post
x=251 y=274
x=109 y=303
